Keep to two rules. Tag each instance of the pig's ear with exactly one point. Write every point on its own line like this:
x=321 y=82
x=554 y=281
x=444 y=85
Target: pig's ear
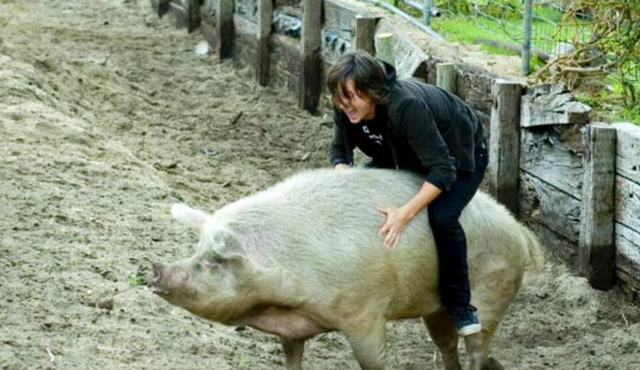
x=228 y=245
x=189 y=216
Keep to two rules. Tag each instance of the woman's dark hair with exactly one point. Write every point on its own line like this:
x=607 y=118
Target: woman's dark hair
x=367 y=74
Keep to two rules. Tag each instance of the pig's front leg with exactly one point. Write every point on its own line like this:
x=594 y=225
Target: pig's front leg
x=445 y=337
x=475 y=353
x=369 y=344
x=293 y=350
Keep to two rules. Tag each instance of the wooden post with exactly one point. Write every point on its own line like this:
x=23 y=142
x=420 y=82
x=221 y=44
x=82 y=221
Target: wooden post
x=597 y=212
x=364 y=34
x=384 y=47
x=160 y=7
x=445 y=77
x=311 y=58
x=193 y=15
x=504 y=149
x=265 y=14
x=225 y=28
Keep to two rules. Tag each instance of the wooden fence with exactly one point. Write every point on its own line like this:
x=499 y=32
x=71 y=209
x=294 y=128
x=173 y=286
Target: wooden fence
x=577 y=185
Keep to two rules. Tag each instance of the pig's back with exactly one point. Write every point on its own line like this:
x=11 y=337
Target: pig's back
x=321 y=226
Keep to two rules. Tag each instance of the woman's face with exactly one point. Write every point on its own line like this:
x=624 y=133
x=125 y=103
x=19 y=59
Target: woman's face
x=355 y=106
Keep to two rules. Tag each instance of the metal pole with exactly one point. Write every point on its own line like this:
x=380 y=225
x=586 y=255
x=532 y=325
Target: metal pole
x=426 y=12
x=526 y=42
x=407 y=17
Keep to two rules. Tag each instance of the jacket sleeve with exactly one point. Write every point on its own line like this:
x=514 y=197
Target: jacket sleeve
x=416 y=123
x=341 y=148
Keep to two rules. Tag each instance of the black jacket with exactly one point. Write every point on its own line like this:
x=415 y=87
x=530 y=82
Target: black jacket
x=427 y=130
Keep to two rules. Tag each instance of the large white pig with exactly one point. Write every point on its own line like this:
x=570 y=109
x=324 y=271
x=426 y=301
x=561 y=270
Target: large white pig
x=304 y=257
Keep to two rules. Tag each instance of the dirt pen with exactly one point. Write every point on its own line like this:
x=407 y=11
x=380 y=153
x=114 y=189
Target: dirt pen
x=108 y=115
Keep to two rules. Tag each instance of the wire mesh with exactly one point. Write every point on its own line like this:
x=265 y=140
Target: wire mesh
x=557 y=27
x=504 y=20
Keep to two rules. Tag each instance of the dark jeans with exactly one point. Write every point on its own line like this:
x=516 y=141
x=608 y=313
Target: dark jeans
x=451 y=243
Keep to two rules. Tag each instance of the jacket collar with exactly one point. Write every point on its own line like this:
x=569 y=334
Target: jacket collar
x=390 y=72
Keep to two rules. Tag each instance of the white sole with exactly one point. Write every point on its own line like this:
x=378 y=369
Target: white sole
x=470 y=329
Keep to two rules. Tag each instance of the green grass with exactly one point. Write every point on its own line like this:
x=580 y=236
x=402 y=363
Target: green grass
x=136 y=280
x=467 y=31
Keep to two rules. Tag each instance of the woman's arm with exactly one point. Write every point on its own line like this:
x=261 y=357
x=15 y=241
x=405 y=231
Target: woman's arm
x=341 y=152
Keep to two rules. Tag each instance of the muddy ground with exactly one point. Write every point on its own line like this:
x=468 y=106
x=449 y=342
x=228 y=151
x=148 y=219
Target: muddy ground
x=107 y=116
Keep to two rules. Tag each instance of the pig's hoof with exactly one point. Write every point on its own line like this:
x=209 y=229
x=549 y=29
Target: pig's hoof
x=492 y=364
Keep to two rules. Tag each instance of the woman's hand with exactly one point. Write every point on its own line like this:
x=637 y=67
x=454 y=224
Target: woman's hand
x=397 y=218
x=394 y=224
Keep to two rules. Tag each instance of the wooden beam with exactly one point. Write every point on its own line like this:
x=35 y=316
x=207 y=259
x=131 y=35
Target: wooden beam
x=446 y=77
x=364 y=34
x=224 y=26
x=597 y=238
x=504 y=149
x=265 y=15
x=311 y=59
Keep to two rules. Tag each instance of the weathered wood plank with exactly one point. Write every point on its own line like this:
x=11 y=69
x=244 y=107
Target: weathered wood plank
x=597 y=247
x=627 y=208
x=208 y=11
x=364 y=34
x=225 y=29
x=628 y=259
x=243 y=26
x=247 y=9
x=504 y=148
x=628 y=160
x=245 y=45
x=547 y=205
x=208 y=31
x=208 y=20
x=552 y=104
x=554 y=154
x=339 y=15
x=265 y=18
x=311 y=58
x=338 y=34
x=285 y=63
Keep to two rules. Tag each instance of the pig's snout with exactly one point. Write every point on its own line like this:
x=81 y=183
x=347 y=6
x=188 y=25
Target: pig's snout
x=155 y=278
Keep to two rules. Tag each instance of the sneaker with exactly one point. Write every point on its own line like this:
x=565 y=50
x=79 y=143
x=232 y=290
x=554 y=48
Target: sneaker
x=466 y=320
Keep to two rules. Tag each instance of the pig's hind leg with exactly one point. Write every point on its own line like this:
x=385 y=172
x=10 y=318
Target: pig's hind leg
x=444 y=335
